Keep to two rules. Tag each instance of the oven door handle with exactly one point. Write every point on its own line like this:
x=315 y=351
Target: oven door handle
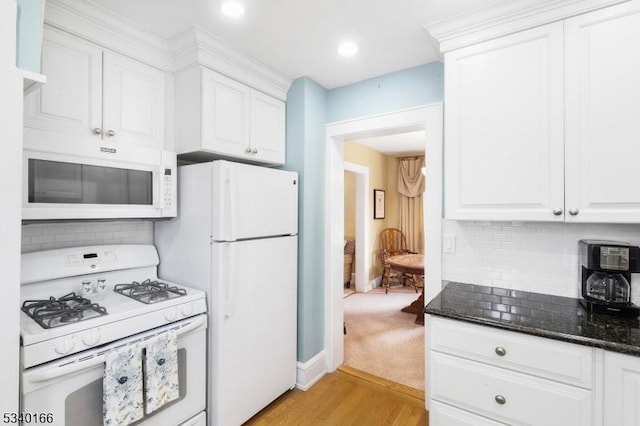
x=43 y=376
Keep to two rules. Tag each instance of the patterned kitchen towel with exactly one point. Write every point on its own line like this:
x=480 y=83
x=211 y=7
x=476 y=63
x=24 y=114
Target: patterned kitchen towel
x=161 y=370
x=122 y=399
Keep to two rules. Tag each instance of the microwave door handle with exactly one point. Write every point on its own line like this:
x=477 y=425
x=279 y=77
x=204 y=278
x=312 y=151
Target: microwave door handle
x=43 y=376
x=161 y=189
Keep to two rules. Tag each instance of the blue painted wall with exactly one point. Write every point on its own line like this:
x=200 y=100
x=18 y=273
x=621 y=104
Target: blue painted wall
x=306 y=119
x=29 y=35
x=408 y=88
x=309 y=108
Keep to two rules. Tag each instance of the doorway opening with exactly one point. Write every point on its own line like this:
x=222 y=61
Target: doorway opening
x=384 y=336
x=427 y=118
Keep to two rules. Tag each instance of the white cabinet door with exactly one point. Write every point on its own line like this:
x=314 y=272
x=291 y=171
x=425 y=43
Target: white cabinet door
x=134 y=103
x=621 y=390
x=93 y=97
x=602 y=122
x=504 y=156
x=267 y=128
x=67 y=109
x=225 y=115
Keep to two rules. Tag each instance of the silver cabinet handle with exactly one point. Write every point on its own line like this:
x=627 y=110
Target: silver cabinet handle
x=557 y=212
x=111 y=132
x=248 y=150
x=254 y=151
x=574 y=212
x=501 y=399
x=97 y=131
x=501 y=351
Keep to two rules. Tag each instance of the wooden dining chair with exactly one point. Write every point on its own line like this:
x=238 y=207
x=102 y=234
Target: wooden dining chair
x=392 y=242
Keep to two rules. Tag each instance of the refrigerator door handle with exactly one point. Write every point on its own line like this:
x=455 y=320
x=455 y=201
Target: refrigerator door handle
x=228 y=284
x=230 y=201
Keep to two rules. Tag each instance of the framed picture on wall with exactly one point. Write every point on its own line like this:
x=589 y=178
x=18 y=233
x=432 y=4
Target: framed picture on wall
x=378 y=204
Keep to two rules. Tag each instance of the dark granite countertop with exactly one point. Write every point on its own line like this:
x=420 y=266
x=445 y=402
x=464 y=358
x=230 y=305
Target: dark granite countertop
x=554 y=317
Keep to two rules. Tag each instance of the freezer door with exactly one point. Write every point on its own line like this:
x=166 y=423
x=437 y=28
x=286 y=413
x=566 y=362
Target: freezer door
x=253 y=201
x=253 y=332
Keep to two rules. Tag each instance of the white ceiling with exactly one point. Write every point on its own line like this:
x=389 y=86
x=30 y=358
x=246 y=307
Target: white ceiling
x=398 y=144
x=300 y=37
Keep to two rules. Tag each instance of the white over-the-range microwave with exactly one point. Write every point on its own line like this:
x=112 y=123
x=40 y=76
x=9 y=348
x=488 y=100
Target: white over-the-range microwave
x=104 y=183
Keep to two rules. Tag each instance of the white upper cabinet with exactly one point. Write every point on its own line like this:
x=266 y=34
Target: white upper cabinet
x=225 y=114
x=602 y=139
x=134 y=102
x=542 y=125
x=267 y=127
x=504 y=128
x=93 y=97
x=218 y=117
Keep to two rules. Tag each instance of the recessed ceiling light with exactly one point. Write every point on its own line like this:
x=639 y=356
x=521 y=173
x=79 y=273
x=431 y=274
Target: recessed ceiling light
x=232 y=8
x=348 y=48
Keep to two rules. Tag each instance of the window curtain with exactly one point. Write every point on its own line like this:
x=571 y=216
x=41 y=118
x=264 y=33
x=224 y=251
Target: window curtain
x=411 y=189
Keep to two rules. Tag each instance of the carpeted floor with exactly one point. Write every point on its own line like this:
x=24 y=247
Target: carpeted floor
x=382 y=340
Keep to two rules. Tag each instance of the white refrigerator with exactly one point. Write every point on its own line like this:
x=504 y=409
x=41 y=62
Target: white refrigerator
x=235 y=237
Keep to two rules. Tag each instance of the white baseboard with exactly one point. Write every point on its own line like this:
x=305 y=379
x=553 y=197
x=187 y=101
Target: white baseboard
x=374 y=283
x=311 y=371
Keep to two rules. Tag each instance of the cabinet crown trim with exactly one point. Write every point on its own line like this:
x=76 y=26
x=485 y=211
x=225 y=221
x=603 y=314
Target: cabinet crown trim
x=197 y=46
x=92 y=22
x=505 y=18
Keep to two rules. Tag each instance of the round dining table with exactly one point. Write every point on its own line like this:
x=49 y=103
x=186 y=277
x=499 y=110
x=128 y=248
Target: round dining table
x=412 y=264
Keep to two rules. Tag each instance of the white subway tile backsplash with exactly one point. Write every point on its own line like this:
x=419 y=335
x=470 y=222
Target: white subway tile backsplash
x=45 y=236
x=538 y=257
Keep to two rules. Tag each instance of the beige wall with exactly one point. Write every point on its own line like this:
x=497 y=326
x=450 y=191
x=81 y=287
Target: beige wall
x=380 y=177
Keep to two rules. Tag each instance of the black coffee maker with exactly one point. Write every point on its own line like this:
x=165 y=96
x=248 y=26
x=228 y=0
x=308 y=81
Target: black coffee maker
x=605 y=269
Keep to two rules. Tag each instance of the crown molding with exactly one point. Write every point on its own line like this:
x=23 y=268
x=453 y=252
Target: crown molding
x=196 y=46
x=504 y=18
x=98 y=25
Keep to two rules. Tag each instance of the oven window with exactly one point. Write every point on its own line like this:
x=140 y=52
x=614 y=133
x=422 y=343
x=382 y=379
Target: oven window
x=83 y=407
x=72 y=183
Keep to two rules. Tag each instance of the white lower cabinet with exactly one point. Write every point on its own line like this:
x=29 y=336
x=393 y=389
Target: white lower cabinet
x=508 y=396
x=621 y=390
x=479 y=375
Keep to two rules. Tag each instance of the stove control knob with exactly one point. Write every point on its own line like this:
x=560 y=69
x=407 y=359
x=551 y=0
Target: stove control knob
x=91 y=339
x=64 y=346
x=170 y=315
x=187 y=310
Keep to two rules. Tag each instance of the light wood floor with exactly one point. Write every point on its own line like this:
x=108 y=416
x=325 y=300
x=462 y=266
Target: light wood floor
x=347 y=397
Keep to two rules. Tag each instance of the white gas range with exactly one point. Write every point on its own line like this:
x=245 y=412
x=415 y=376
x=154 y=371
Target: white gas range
x=80 y=304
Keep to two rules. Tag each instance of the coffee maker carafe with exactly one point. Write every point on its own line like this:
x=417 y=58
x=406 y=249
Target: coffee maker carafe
x=605 y=270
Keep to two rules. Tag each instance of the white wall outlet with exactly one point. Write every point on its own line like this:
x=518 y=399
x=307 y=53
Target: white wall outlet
x=449 y=243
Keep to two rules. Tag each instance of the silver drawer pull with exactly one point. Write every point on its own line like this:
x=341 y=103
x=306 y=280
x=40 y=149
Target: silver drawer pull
x=557 y=212
x=501 y=399
x=501 y=351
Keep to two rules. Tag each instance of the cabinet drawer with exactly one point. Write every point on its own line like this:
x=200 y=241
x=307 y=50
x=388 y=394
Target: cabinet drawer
x=446 y=415
x=563 y=362
x=527 y=400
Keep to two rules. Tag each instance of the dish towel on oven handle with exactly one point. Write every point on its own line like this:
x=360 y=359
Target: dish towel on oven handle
x=161 y=370
x=122 y=386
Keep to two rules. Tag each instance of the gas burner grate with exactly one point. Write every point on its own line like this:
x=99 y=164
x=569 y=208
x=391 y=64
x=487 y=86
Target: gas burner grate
x=149 y=291
x=70 y=308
